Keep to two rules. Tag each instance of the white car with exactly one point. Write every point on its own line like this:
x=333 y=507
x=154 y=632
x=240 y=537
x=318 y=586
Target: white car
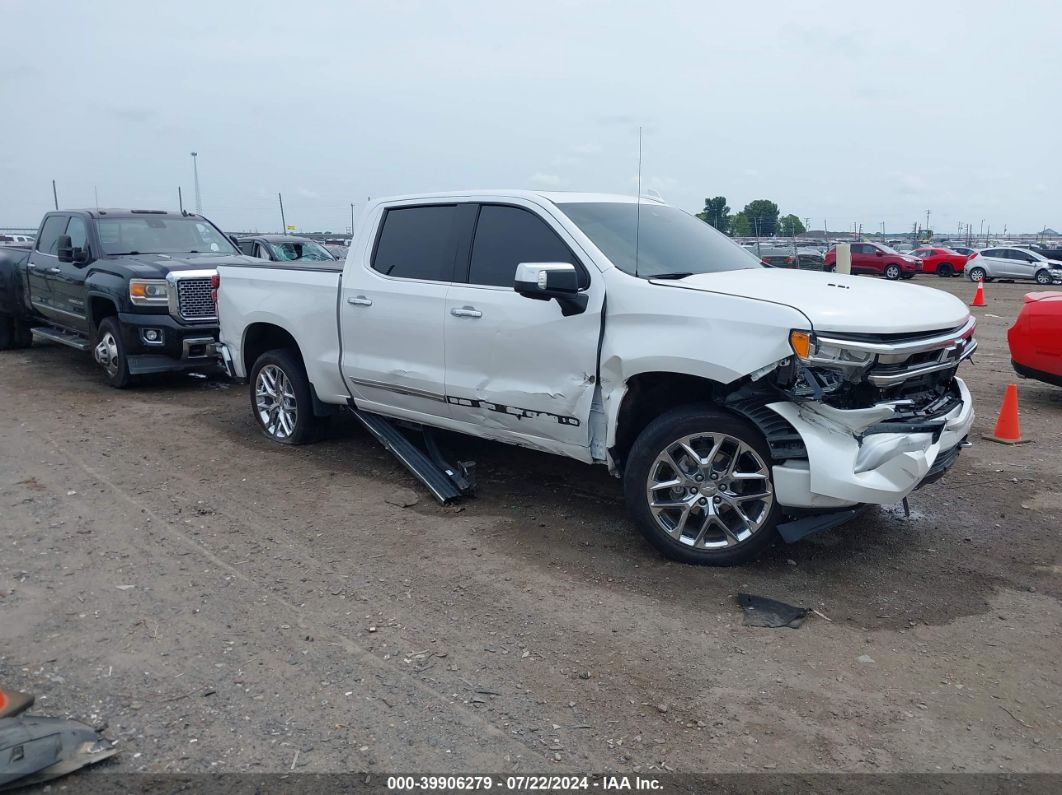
x=1013 y=263
x=733 y=400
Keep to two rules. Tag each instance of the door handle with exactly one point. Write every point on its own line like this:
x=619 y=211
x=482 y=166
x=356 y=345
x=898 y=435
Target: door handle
x=54 y=270
x=466 y=311
x=32 y=266
x=360 y=300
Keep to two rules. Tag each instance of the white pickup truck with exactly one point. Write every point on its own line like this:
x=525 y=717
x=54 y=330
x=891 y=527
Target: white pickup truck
x=735 y=400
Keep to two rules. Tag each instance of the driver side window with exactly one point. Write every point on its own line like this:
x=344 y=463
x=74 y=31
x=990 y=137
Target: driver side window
x=77 y=231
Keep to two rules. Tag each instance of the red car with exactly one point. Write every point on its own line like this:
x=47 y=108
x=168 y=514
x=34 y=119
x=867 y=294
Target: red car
x=941 y=261
x=877 y=259
x=1036 y=338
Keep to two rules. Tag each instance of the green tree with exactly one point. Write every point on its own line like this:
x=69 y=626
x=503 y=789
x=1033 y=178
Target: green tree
x=790 y=225
x=739 y=225
x=716 y=213
x=762 y=215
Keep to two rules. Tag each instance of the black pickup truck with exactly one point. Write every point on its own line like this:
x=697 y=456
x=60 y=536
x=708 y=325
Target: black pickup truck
x=133 y=286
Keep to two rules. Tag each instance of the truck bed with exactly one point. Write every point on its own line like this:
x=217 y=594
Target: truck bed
x=299 y=297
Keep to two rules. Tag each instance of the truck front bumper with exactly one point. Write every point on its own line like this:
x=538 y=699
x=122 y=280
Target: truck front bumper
x=857 y=457
x=157 y=343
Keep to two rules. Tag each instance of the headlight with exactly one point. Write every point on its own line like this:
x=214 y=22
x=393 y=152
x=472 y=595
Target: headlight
x=149 y=292
x=809 y=349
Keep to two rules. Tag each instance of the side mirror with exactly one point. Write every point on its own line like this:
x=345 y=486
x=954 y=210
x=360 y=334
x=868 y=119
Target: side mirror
x=544 y=281
x=65 y=249
x=879 y=253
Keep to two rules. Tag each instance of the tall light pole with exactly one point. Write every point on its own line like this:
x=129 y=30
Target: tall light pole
x=927 y=224
x=195 y=172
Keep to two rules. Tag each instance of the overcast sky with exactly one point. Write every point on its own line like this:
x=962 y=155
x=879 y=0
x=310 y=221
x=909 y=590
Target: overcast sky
x=839 y=111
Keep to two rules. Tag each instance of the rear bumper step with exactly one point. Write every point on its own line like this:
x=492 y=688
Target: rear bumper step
x=446 y=483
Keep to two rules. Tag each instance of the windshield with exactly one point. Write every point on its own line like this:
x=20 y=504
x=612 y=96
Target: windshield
x=886 y=249
x=162 y=236
x=670 y=241
x=300 y=250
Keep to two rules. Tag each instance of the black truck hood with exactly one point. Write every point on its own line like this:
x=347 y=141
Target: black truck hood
x=157 y=266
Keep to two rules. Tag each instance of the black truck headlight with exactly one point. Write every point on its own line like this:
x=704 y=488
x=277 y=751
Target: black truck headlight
x=149 y=292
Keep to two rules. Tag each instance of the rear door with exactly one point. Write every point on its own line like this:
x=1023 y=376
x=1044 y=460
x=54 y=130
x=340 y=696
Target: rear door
x=43 y=265
x=392 y=303
x=515 y=366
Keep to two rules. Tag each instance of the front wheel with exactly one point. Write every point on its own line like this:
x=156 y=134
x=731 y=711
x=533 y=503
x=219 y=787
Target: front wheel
x=977 y=274
x=698 y=484
x=109 y=353
x=892 y=272
x=1043 y=277
x=281 y=399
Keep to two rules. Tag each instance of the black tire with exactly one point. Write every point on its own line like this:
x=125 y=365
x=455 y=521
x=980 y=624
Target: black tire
x=945 y=270
x=977 y=274
x=648 y=459
x=7 y=333
x=1043 y=276
x=23 y=335
x=293 y=399
x=892 y=272
x=108 y=351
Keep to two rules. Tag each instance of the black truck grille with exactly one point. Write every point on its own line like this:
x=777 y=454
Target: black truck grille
x=195 y=299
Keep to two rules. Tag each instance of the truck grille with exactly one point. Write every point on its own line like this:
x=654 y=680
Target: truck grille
x=195 y=300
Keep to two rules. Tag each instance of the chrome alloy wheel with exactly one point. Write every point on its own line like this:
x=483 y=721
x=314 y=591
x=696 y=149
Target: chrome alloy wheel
x=275 y=402
x=709 y=491
x=106 y=353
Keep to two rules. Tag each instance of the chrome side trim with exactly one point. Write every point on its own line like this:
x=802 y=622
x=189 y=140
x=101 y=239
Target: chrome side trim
x=401 y=390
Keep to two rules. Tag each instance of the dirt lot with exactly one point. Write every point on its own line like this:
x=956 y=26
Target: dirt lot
x=221 y=603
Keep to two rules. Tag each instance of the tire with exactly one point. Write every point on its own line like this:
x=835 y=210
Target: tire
x=705 y=517
x=1043 y=276
x=945 y=270
x=977 y=274
x=108 y=350
x=892 y=272
x=281 y=398
x=23 y=334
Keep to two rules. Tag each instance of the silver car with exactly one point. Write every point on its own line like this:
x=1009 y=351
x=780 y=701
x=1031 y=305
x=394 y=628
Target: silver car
x=1013 y=263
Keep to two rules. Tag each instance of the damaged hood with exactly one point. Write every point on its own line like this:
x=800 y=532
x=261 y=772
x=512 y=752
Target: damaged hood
x=836 y=302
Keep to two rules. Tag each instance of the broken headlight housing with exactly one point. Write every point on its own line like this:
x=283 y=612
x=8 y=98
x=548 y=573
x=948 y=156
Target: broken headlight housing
x=823 y=368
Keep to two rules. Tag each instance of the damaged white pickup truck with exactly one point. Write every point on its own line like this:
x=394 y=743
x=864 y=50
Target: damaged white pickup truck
x=734 y=400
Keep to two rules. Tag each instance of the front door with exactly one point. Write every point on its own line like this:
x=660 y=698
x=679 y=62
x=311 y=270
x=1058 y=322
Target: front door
x=391 y=312
x=517 y=367
x=68 y=284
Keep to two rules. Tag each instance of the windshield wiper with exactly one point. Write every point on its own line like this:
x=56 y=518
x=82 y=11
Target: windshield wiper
x=123 y=253
x=669 y=275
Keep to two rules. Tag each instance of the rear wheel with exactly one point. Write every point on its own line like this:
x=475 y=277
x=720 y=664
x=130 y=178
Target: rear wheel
x=109 y=353
x=281 y=398
x=945 y=269
x=977 y=274
x=892 y=272
x=1043 y=276
x=7 y=332
x=698 y=484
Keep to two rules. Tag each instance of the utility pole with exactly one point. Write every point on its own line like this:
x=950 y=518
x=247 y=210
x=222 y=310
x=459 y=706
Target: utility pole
x=55 y=195
x=882 y=231
x=195 y=172
x=927 y=221
x=180 y=200
x=981 y=234
x=283 y=221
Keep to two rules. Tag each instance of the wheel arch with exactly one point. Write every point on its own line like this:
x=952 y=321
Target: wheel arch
x=262 y=337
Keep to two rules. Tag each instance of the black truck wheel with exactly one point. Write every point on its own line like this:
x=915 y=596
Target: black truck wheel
x=7 y=332
x=109 y=353
x=281 y=398
x=698 y=483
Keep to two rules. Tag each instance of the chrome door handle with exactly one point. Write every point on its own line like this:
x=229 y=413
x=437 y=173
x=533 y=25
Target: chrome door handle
x=360 y=300
x=54 y=270
x=32 y=265
x=466 y=311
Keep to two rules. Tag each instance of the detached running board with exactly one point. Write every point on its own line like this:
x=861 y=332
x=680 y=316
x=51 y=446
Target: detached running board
x=446 y=483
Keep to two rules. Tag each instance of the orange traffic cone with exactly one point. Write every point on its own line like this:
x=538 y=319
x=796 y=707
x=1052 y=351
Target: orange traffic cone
x=12 y=702
x=1008 y=430
x=979 y=296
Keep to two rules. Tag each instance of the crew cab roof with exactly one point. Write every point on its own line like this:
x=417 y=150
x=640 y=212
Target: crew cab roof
x=553 y=196
x=108 y=212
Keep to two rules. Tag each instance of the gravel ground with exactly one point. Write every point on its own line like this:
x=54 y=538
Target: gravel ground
x=221 y=603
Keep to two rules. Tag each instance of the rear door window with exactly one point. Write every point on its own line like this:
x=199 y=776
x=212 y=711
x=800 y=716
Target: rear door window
x=417 y=243
x=507 y=236
x=48 y=242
